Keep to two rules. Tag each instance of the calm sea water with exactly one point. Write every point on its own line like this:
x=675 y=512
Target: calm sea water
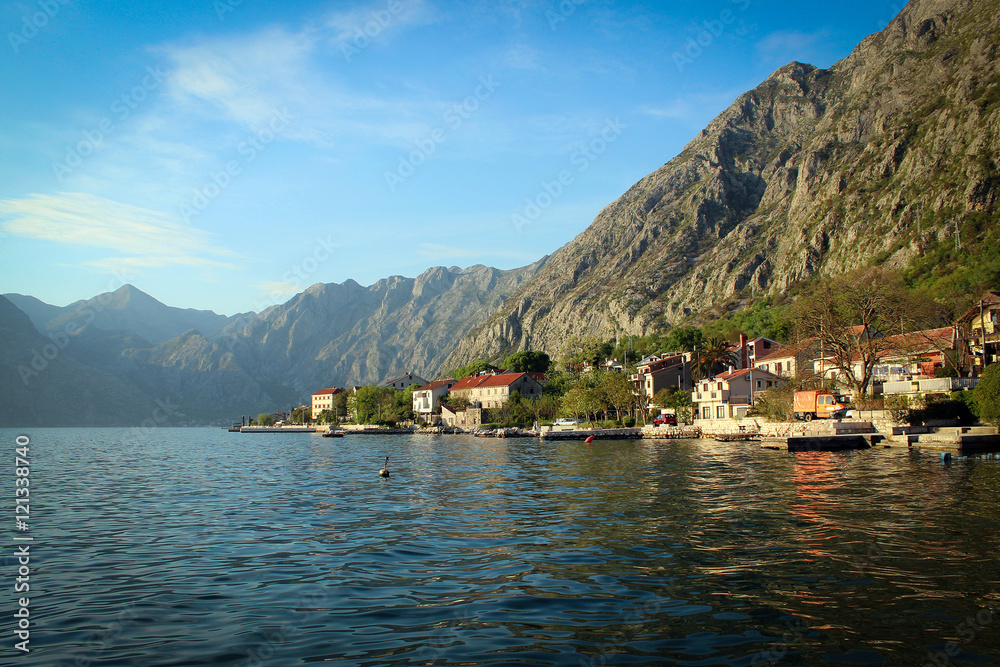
x=201 y=547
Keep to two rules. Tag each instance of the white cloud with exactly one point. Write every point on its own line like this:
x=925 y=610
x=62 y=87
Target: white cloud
x=150 y=239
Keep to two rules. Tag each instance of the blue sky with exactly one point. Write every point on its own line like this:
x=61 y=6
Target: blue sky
x=227 y=154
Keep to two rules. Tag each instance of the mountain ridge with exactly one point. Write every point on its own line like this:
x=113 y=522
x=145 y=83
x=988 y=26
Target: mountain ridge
x=812 y=173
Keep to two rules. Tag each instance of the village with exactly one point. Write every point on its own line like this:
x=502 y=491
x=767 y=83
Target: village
x=917 y=379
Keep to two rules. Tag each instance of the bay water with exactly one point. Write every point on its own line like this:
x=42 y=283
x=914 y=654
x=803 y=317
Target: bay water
x=195 y=546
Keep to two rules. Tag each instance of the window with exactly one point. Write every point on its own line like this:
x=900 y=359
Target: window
x=760 y=384
x=706 y=412
x=777 y=368
x=719 y=386
x=720 y=411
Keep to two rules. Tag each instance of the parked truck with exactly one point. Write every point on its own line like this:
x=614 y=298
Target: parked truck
x=817 y=404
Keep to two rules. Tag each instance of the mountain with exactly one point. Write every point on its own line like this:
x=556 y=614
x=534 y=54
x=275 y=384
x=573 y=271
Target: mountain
x=348 y=334
x=43 y=384
x=37 y=310
x=112 y=361
x=889 y=156
x=125 y=309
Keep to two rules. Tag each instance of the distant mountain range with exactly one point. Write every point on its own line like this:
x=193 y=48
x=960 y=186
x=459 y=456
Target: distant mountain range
x=124 y=358
x=889 y=156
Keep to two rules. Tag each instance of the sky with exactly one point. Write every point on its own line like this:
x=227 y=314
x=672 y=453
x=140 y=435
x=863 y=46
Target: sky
x=227 y=154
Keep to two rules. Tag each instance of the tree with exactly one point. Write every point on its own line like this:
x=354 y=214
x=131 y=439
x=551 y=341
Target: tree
x=301 y=415
x=264 y=419
x=851 y=315
x=679 y=400
x=714 y=357
x=683 y=339
x=472 y=369
x=617 y=391
x=528 y=361
x=987 y=395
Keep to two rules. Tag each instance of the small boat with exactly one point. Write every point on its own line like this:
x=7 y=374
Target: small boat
x=333 y=434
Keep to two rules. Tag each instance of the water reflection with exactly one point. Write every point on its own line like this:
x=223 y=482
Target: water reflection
x=230 y=549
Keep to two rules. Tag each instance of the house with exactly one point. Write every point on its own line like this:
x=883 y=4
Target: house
x=323 y=400
x=454 y=416
x=919 y=353
x=656 y=373
x=427 y=397
x=730 y=395
x=404 y=381
x=491 y=390
x=979 y=330
x=747 y=352
x=790 y=361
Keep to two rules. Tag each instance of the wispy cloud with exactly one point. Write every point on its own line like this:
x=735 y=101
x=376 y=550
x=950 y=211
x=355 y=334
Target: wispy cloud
x=438 y=251
x=782 y=47
x=148 y=239
x=379 y=21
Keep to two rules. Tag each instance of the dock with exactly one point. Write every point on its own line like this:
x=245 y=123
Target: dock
x=548 y=433
x=277 y=429
x=960 y=440
x=830 y=443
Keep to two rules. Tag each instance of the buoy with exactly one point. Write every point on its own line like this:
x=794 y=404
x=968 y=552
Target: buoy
x=946 y=457
x=384 y=472
x=589 y=440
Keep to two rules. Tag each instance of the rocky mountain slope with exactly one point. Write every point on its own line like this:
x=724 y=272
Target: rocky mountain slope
x=116 y=361
x=886 y=156
x=338 y=334
x=42 y=383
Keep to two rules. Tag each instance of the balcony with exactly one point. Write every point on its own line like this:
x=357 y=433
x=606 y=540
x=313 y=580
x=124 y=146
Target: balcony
x=931 y=386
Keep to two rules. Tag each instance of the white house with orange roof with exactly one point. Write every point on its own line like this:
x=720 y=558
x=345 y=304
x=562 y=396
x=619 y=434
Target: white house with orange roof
x=323 y=400
x=491 y=390
x=428 y=397
x=730 y=395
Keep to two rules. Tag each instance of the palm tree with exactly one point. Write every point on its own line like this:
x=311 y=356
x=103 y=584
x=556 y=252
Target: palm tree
x=715 y=357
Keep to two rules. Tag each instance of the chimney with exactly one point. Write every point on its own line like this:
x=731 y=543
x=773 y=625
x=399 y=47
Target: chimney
x=743 y=351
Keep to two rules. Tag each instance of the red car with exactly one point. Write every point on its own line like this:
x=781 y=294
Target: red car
x=669 y=420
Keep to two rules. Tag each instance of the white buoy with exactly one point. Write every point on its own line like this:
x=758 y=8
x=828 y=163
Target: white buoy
x=384 y=472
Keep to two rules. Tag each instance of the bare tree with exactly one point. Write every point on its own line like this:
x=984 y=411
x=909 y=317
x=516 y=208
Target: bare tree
x=853 y=317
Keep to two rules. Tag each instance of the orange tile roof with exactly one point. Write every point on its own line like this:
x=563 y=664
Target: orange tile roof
x=331 y=390
x=477 y=381
x=435 y=384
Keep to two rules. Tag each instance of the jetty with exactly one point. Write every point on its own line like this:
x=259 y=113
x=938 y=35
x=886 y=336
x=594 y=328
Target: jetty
x=551 y=433
x=960 y=440
x=276 y=429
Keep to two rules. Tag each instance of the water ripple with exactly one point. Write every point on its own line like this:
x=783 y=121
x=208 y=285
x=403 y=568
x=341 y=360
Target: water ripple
x=199 y=547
